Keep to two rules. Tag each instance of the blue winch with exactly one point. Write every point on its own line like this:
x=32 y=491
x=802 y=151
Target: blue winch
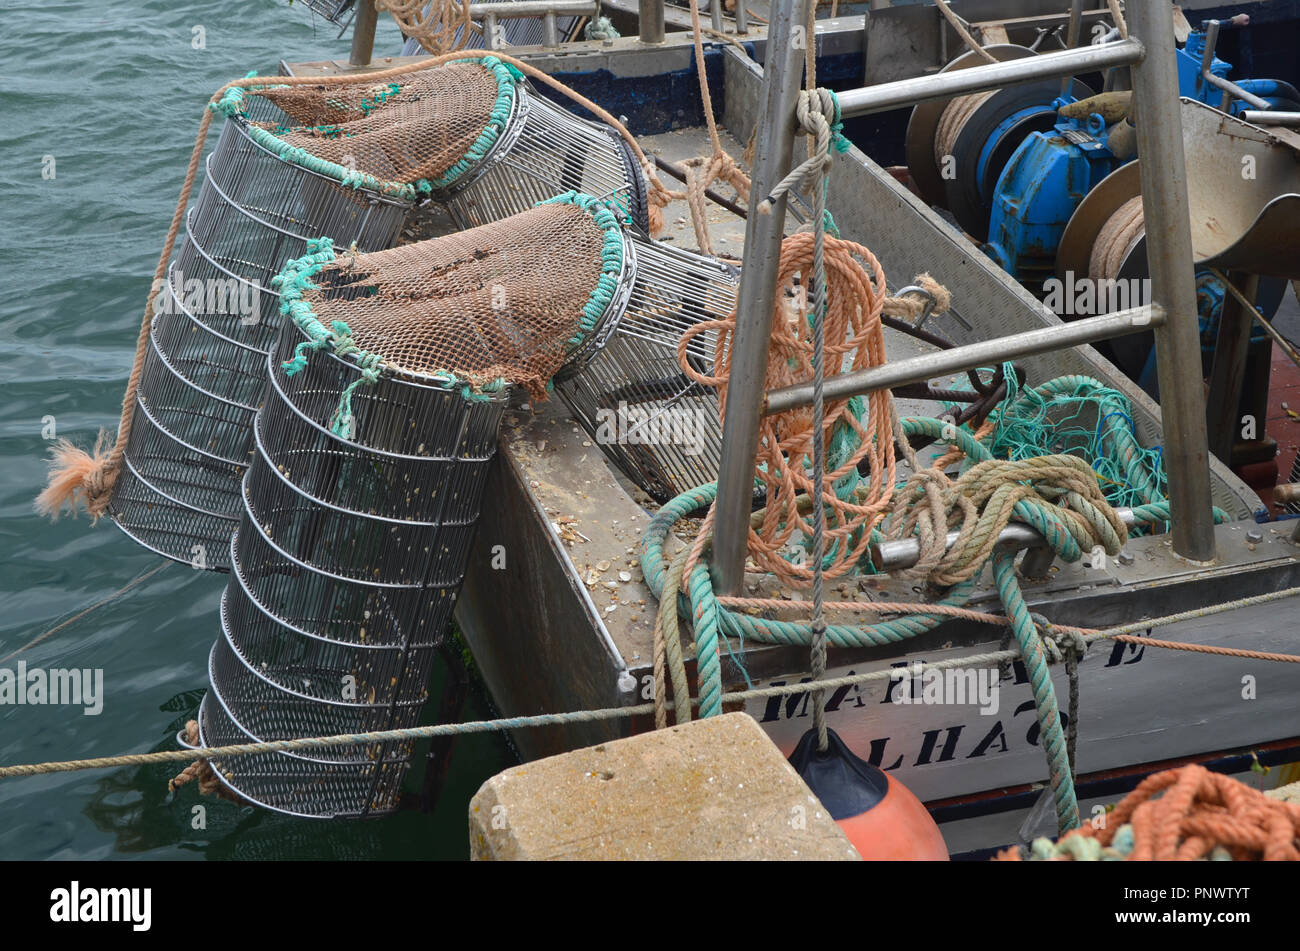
x=1041 y=186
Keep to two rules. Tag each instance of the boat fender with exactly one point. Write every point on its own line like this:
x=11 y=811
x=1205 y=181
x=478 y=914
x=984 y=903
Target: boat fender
x=880 y=816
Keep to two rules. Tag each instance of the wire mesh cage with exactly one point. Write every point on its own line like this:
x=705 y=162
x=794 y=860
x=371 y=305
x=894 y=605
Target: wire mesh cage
x=293 y=164
x=546 y=150
x=331 y=10
x=215 y=318
x=626 y=386
x=360 y=505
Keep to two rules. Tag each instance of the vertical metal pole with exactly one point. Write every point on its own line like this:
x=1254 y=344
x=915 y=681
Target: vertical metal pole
x=1169 y=261
x=550 y=31
x=1207 y=54
x=1072 y=40
x=363 y=33
x=1228 y=369
x=490 y=35
x=742 y=17
x=773 y=145
x=715 y=15
x=651 y=14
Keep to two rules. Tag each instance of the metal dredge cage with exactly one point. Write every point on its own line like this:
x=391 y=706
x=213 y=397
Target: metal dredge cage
x=331 y=10
x=346 y=566
x=350 y=551
x=215 y=319
x=544 y=151
x=626 y=387
x=260 y=204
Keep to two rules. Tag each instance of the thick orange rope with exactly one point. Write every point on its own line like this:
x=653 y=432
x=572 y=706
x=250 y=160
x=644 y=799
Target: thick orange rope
x=1184 y=814
x=852 y=326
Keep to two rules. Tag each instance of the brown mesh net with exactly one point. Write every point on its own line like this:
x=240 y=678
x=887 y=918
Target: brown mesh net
x=501 y=301
x=401 y=131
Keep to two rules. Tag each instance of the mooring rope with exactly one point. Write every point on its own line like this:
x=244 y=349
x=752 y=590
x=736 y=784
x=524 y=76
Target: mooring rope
x=956 y=23
x=987 y=659
x=434 y=25
x=1183 y=814
x=703 y=171
x=133 y=583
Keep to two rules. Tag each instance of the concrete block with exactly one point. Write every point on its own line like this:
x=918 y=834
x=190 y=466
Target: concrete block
x=710 y=789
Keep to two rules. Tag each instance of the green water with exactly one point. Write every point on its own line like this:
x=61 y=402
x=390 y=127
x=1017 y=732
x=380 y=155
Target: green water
x=113 y=92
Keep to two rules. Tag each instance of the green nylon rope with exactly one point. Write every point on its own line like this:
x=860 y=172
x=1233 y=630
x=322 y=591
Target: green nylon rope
x=1034 y=655
x=714 y=621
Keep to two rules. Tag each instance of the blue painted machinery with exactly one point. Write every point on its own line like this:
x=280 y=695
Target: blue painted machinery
x=1041 y=186
x=1192 y=61
x=1050 y=172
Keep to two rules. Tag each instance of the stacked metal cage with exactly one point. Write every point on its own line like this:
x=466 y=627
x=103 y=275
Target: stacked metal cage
x=354 y=538
x=218 y=314
x=346 y=565
x=626 y=386
x=331 y=10
x=543 y=151
x=215 y=320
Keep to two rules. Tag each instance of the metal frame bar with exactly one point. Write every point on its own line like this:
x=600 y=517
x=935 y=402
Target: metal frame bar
x=650 y=21
x=514 y=9
x=909 y=92
x=1260 y=117
x=1173 y=283
x=1169 y=251
x=1228 y=367
x=773 y=148
x=1230 y=89
x=970 y=357
x=905 y=552
x=363 y=33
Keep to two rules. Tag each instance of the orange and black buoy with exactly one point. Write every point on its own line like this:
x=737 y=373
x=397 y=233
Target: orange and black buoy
x=880 y=816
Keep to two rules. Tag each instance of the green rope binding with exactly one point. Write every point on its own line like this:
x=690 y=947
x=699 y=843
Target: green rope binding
x=714 y=622
x=507 y=77
x=603 y=212
x=296 y=279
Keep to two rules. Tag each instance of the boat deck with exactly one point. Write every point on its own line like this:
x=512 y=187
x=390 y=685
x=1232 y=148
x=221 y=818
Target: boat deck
x=565 y=621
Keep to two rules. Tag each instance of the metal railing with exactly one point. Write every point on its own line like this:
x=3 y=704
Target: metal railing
x=363 y=32
x=548 y=10
x=1150 y=52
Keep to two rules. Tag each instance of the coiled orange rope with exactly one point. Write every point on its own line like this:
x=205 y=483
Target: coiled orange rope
x=1185 y=814
x=784 y=463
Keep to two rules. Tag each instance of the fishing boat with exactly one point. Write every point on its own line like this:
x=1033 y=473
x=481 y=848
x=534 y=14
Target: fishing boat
x=581 y=512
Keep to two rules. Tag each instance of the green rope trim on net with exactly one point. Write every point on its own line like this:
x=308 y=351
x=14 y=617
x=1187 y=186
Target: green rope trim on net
x=232 y=105
x=293 y=282
x=606 y=215
x=508 y=78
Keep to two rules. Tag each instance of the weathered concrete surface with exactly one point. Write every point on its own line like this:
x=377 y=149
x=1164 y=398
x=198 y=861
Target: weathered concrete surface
x=710 y=789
